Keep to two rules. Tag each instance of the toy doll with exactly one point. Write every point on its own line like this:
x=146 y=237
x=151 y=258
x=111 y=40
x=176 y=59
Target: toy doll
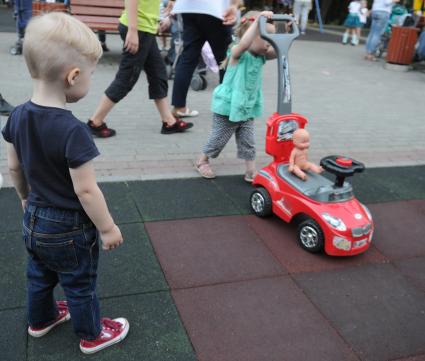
x=298 y=161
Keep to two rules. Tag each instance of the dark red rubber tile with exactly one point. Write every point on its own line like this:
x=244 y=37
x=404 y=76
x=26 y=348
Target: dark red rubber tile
x=210 y=250
x=414 y=270
x=373 y=307
x=258 y=320
x=281 y=239
x=399 y=228
x=413 y=358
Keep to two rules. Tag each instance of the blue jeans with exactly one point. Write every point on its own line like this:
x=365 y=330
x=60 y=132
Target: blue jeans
x=63 y=248
x=379 y=23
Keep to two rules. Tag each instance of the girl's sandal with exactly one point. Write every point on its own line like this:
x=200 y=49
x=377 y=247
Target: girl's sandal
x=205 y=170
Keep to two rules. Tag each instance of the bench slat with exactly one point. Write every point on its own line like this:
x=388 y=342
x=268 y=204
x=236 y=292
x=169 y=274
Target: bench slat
x=98 y=20
x=91 y=10
x=100 y=3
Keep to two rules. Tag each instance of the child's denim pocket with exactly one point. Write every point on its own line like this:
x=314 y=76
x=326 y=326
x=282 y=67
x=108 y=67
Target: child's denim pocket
x=57 y=254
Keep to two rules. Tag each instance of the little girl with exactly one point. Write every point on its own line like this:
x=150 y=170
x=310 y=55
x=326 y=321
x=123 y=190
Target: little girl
x=239 y=99
x=352 y=23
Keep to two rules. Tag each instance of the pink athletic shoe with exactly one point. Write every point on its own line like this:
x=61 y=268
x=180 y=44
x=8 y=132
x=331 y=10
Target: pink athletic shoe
x=113 y=331
x=62 y=317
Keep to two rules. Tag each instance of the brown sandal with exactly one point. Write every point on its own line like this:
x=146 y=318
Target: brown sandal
x=205 y=170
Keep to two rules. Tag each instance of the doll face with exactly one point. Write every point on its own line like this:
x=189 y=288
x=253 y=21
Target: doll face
x=301 y=139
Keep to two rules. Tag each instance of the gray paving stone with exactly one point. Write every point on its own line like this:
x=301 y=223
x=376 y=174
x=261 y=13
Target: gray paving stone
x=13 y=342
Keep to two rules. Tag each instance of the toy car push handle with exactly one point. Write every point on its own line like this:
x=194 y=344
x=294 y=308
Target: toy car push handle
x=342 y=167
x=281 y=44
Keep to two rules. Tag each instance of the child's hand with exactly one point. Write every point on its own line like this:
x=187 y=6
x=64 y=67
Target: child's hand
x=131 y=43
x=112 y=238
x=266 y=14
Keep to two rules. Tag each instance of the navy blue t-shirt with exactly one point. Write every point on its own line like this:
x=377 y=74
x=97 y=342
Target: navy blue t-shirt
x=48 y=142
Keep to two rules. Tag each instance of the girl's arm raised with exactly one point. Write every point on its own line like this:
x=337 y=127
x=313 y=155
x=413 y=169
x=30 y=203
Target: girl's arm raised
x=247 y=38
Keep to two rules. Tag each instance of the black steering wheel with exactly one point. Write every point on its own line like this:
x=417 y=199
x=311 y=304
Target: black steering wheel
x=342 y=167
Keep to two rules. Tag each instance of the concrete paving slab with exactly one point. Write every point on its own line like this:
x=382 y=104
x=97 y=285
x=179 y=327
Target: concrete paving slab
x=354 y=107
x=281 y=239
x=13 y=342
x=399 y=228
x=180 y=198
x=156 y=333
x=257 y=320
x=13 y=259
x=205 y=251
x=413 y=358
x=374 y=308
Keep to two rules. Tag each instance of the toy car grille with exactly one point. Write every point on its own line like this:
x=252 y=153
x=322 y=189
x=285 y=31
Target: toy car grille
x=361 y=231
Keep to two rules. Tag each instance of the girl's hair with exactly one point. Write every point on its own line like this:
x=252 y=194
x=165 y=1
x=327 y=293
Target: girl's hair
x=240 y=30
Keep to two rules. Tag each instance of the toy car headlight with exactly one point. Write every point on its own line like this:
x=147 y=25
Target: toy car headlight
x=334 y=222
x=366 y=211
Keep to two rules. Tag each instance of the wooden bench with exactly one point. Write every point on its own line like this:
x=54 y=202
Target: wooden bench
x=98 y=14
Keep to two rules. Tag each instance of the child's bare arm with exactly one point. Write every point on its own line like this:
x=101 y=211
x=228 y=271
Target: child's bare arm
x=292 y=160
x=131 y=43
x=93 y=202
x=16 y=173
x=248 y=38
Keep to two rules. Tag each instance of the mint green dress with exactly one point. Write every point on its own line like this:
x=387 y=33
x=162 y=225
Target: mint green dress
x=240 y=95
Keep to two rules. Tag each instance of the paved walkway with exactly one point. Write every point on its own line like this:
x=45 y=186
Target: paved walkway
x=355 y=108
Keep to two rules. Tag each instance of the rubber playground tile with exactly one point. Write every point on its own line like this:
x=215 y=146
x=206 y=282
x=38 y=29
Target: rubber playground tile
x=281 y=239
x=120 y=202
x=11 y=211
x=156 y=333
x=132 y=267
x=399 y=228
x=389 y=184
x=237 y=190
x=413 y=358
x=180 y=198
x=211 y=250
x=14 y=335
x=13 y=258
x=414 y=271
x=264 y=319
x=374 y=308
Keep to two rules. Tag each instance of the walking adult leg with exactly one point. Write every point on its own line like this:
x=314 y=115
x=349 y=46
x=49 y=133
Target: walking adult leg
x=297 y=10
x=219 y=37
x=193 y=40
x=128 y=73
x=305 y=9
x=379 y=22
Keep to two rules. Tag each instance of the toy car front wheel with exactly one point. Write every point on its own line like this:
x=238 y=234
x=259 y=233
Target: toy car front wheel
x=261 y=202
x=310 y=236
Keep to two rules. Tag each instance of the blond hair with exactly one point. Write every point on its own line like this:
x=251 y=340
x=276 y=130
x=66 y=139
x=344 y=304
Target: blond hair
x=56 y=42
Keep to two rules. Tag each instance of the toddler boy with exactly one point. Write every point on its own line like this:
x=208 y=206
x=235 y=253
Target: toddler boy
x=50 y=155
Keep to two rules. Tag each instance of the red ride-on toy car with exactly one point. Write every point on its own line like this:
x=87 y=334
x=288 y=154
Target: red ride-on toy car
x=328 y=215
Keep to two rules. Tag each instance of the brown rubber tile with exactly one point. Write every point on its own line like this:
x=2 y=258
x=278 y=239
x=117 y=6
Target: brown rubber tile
x=413 y=358
x=210 y=250
x=373 y=307
x=281 y=239
x=399 y=228
x=414 y=270
x=258 y=320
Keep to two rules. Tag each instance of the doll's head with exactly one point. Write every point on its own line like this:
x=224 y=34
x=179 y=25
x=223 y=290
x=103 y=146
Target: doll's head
x=301 y=139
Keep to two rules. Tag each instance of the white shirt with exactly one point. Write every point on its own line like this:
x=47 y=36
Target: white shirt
x=382 y=5
x=215 y=8
x=354 y=7
x=363 y=15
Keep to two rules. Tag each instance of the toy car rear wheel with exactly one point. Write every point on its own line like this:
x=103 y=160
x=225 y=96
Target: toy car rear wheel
x=310 y=236
x=261 y=202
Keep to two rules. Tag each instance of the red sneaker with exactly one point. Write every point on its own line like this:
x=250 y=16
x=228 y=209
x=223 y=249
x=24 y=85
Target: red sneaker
x=102 y=131
x=113 y=331
x=62 y=317
x=178 y=127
